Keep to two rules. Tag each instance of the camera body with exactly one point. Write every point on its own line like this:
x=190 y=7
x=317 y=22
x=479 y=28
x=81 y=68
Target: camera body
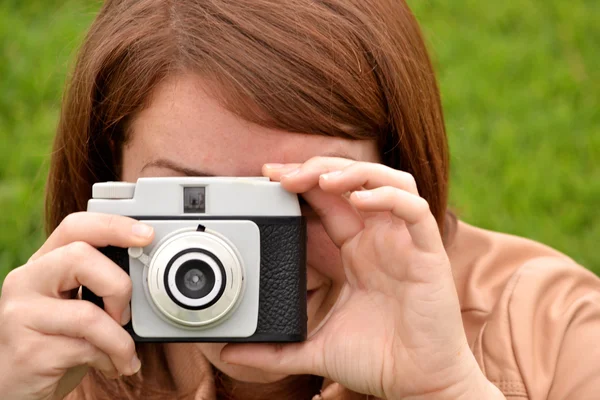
x=227 y=263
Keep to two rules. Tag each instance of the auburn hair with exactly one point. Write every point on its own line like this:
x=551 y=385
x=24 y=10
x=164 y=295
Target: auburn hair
x=355 y=69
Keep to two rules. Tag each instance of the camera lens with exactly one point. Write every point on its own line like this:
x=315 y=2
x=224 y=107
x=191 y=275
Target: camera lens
x=195 y=279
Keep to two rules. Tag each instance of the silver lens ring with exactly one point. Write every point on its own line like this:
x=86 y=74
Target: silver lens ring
x=167 y=252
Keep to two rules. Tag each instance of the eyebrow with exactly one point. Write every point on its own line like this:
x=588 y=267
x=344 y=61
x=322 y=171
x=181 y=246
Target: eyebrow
x=339 y=154
x=164 y=163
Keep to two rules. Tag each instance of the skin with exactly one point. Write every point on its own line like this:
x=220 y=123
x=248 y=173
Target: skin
x=187 y=127
x=384 y=316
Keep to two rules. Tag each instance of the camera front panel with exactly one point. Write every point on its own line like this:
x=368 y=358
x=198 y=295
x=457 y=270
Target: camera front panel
x=280 y=282
x=166 y=302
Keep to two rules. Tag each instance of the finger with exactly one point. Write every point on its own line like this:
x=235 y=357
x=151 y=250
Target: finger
x=307 y=175
x=99 y=230
x=368 y=176
x=338 y=217
x=289 y=358
x=84 y=320
x=79 y=264
x=71 y=352
x=413 y=210
x=275 y=171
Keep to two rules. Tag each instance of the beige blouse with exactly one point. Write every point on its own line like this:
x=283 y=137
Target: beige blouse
x=531 y=315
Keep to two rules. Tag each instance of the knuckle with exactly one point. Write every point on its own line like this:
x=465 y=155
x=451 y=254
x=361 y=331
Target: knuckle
x=313 y=162
x=10 y=312
x=357 y=167
x=88 y=352
x=78 y=250
x=110 y=221
x=12 y=281
x=422 y=207
x=33 y=257
x=126 y=348
x=124 y=286
x=70 y=222
x=389 y=192
x=317 y=159
x=411 y=182
x=87 y=315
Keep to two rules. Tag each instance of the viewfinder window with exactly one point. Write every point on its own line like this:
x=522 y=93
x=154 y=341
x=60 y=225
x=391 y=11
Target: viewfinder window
x=194 y=200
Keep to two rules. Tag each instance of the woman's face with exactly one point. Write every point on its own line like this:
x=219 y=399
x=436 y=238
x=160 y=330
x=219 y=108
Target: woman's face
x=185 y=131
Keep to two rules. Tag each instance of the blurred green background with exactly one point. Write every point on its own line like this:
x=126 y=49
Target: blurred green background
x=520 y=85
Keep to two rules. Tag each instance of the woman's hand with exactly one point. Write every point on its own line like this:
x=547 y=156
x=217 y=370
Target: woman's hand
x=396 y=330
x=47 y=337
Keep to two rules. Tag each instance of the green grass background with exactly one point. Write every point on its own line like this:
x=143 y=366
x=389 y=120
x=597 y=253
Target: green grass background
x=521 y=91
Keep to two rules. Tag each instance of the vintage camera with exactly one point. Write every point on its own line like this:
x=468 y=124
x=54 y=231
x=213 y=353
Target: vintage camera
x=227 y=263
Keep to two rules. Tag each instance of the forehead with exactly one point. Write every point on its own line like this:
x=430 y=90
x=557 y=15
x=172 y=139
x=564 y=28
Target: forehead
x=185 y=124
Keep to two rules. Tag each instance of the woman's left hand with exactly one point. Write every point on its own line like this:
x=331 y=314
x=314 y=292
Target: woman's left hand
x=396 y=330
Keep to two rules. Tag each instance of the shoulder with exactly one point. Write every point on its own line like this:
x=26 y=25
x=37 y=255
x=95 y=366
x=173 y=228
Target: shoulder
x=535 y=314
x=552 y=313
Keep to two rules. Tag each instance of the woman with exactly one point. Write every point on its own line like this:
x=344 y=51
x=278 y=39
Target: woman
x=337 y=100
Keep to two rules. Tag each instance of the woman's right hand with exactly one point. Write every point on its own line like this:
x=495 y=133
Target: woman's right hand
x=48 y=338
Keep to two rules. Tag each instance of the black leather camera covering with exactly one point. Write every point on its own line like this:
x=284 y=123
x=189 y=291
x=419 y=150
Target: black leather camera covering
x=282 y=297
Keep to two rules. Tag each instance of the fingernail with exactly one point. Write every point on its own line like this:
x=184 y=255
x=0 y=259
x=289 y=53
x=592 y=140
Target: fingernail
x=330 y=175
x=136 y=364
x=363 y=194
x=126 y=315
x=291 y=173
x=142 y=230
x=273 y=166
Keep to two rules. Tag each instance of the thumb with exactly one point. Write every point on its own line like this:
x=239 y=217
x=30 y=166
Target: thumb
x=288 y=358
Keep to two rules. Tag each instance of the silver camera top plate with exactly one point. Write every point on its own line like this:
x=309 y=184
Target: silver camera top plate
x=231 y=196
